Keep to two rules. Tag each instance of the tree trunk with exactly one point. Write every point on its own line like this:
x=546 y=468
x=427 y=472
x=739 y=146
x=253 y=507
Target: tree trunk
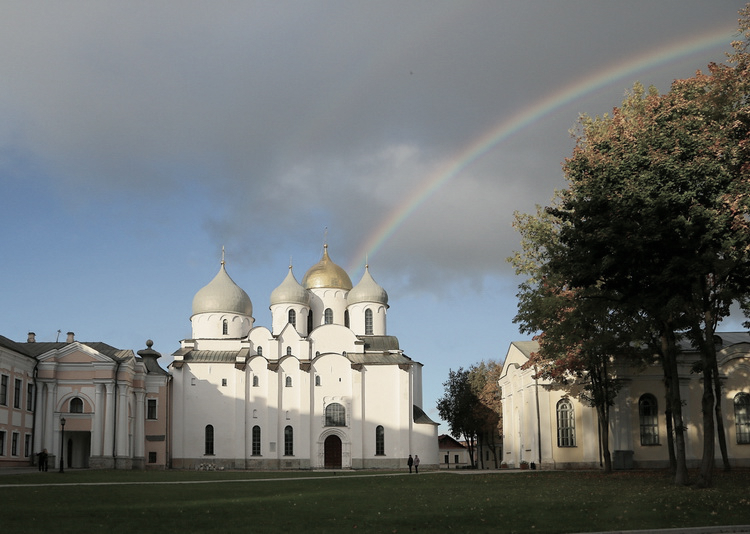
x=720 y=416
x=707 y=407
x=603 y=413
x=669 y=353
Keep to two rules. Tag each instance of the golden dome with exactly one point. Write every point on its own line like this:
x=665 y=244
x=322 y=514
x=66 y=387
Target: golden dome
x=325 y=273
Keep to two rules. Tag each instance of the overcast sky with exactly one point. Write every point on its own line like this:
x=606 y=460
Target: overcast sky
x=138 y=138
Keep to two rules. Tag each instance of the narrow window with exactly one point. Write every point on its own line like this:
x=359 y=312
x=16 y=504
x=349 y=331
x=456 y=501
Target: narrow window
x=447 y=458
x=150 y=408
x=288 y=441
x=256 y=441
x=255 y=381
x=293 y=318
x=288 y=381
x=27 y=445
x=566 y=424
x=2 y=443
x=742 y=417
x=380 y=441
x=648 y=415
x=151 y=457
x=328 y=316
x=76 y=405
x=368 y=322
x=289 y=351
x=455 y=458
x=309 y=322
x=14 y=444
x=3 y=390
x=30 y=397
x=18 y=385
x=224 y=382
x=317 y=380
x=225 y=327
x=346 y=318
x=209 y=440
x=260 y=351
x=335 y=415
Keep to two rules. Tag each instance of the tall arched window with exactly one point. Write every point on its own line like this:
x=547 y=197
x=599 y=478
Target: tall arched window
x=648 y=415
x=288 y=441
x=225 y=327
x=328 y=316
x=742 y=417
x=209 y=440
x=309 y=322
x=288 y=381
x=379 y=441
x=293 y=318
x=255 y=381
x=368 y=322
x=76 y=405
x=260 y=351
x=335 y=415
x=317 y=380
x=289 y=351
x=566 y=424
x=346 y=318
x=256 y=441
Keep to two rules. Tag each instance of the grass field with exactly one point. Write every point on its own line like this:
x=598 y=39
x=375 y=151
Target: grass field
x=226 y=502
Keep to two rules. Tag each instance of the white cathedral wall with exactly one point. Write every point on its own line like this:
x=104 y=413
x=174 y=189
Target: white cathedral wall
x=357 y=318
x=322 y=298
x=210 y=325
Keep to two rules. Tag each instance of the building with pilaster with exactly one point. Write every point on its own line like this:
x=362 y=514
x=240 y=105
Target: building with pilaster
x=546 y=424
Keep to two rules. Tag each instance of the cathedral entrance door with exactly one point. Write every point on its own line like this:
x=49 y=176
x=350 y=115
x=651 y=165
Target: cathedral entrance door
x=332 y=448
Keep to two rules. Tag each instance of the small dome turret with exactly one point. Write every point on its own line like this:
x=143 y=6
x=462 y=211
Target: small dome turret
x=222 y=295
x=290 y=292
x=326 y=274
x=367 y=290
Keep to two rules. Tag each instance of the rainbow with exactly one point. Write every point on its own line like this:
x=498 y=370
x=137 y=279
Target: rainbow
x=483 y=144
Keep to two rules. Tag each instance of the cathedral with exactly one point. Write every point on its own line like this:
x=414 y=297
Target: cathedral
x=324 y=387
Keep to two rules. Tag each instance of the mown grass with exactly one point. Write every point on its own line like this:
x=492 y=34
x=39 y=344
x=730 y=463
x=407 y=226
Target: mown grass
x=117 y=501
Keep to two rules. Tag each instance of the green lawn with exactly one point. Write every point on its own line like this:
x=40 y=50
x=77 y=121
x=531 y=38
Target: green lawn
x=117 y=501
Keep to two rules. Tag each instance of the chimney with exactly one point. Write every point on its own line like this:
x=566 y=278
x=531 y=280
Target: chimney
x=31 y=338
x=71 y=337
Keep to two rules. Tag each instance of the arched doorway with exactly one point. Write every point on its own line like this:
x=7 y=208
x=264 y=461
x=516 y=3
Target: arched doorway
x=332 y=452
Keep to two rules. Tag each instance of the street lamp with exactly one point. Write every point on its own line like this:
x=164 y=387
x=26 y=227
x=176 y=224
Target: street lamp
x=62 y=437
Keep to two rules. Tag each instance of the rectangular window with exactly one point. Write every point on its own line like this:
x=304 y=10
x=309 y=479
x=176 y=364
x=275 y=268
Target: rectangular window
x=152 y=457
x=2 y=443
x=27 y=445
x=14 y=444
x=455 y=459
x=30 y=397
x=18 y=384
x=150 y=408
x=223 y=381
x=447 y=458
x=4 y=390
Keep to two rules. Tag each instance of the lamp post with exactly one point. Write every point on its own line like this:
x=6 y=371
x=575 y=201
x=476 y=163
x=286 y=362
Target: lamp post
x=62 y=438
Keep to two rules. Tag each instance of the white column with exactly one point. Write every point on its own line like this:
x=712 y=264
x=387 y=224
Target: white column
x=139 y=430
x=97 y=436
x=123 y=430
x=39 y=413
x=109 y=419
x=49 y=433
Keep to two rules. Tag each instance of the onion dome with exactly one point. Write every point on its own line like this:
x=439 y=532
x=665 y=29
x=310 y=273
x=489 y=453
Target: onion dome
x=325 y=273
x=222 y=295
x=290 y=292
x=367 y=290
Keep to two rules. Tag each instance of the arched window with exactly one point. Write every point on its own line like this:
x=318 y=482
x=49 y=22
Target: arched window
x=288 y=381
x=293 y=318
x=379 y=441
x=742 y=417
x=335 y=415
x=648 y=415
x=260 y=351
x=225 y=327
x=255 y=381
x=209 y=440
x=289 y=351
x=288 y=441
x=328 y=316
x=566 y=424
x=256 y=441
x=346 y=318
x=368 y=322
x=76 y=405
x=317 y=380
x=309 y=322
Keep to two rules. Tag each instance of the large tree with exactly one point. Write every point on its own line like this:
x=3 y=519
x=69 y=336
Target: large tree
x=457 y=407
x=483 y=378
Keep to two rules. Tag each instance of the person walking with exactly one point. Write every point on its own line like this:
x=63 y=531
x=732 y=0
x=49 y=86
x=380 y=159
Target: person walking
x=410 y=462
x=416 y=463
x=42 y=460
